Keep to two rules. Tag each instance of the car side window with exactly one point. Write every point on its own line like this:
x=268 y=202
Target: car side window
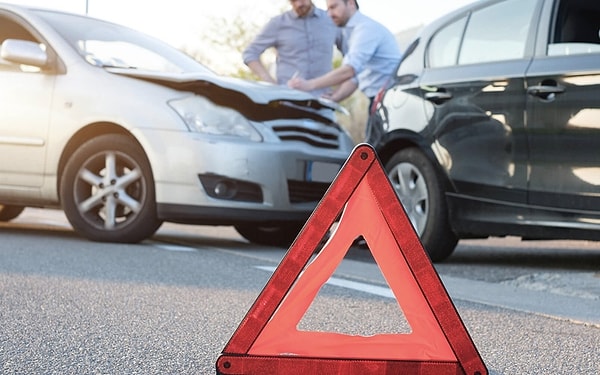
x=576 y=28
x=444 y=46
x=498 y=32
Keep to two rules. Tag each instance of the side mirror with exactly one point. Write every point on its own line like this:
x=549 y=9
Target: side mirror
x=23 y=52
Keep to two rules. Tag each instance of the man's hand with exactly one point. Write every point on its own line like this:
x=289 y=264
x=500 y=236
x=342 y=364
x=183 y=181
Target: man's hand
x=299 y=83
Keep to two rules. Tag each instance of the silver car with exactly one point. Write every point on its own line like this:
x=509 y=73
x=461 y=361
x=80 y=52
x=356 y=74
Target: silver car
x=125 y=132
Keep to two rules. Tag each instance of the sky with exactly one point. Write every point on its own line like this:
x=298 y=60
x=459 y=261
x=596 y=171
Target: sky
x=185 y=22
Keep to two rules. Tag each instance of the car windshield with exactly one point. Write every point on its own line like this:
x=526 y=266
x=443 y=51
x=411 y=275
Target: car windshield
x=109 y=45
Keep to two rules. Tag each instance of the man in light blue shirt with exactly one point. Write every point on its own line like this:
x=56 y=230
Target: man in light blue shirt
x=371 y=55
x=304 y=38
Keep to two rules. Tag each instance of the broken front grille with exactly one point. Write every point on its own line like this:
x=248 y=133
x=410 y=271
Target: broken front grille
x=318 y=138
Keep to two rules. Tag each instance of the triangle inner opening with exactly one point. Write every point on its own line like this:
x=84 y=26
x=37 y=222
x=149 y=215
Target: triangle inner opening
x=355 y=307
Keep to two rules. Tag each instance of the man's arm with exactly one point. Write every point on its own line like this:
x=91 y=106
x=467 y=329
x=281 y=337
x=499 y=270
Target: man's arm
x=343 y=91
x=266 y=38
x=259 y=69
x=334 y=77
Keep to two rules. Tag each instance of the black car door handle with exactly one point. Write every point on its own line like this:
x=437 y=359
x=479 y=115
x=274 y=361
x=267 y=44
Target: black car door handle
x=545 y=92
x=438 y=97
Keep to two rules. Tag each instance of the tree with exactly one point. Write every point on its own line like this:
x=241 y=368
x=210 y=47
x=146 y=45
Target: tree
x=225 y=39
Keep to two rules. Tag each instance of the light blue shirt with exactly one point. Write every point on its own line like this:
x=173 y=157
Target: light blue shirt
x=372 y=50
x=304 y=44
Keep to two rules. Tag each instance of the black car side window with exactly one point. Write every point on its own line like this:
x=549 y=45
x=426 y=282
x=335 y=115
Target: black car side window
x=498 y=32
x=576 y=29
x=444 y=46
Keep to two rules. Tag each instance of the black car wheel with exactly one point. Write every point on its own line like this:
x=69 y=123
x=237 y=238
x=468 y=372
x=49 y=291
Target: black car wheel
x=422 y=195
x=8 y=212
x=107 y=191
x=271 y=235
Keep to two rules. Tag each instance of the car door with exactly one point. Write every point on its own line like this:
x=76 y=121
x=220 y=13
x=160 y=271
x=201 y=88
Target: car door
x=475 y=79
x=25 y=97
x=563 y=108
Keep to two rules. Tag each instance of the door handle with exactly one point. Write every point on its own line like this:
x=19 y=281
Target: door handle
x=545 y=92
x=438 y=97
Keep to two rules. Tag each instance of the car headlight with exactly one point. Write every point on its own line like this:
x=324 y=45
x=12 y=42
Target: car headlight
x=202 y=115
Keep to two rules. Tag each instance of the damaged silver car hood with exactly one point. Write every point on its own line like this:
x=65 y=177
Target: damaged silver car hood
x=258 y=92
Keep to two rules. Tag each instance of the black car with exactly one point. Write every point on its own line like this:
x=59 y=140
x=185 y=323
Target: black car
x=491 y=125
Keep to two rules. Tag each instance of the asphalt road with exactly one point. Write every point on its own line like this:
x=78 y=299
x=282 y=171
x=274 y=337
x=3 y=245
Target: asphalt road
x=169 y=305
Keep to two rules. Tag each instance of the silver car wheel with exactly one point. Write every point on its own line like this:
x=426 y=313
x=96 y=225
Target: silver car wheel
x=422 y=194
x=107 y=190
x=115 y=188
x=411 y=188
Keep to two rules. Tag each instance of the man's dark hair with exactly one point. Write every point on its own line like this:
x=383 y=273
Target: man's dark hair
x=355 y=2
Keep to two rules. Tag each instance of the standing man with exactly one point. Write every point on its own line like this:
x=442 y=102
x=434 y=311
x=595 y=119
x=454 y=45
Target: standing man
x=304 y=38
x=371 y=54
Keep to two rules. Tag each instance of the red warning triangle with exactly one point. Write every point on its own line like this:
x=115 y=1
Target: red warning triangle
x=268 y=340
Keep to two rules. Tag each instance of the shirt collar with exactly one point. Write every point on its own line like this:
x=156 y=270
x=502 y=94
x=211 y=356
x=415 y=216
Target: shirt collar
x=355 y=19
x=311 y=13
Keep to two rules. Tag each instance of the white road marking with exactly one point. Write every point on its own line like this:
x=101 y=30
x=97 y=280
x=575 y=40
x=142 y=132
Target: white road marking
x=348 y=284
x=169 y=247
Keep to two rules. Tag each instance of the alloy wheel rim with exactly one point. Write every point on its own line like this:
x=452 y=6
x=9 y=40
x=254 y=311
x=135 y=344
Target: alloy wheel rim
x=411 y=188
x=109 y=190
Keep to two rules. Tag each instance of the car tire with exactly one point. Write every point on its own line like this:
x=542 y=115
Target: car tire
x=107 y=191
x=270 y=235
x=8 y=212
x=422 y=194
